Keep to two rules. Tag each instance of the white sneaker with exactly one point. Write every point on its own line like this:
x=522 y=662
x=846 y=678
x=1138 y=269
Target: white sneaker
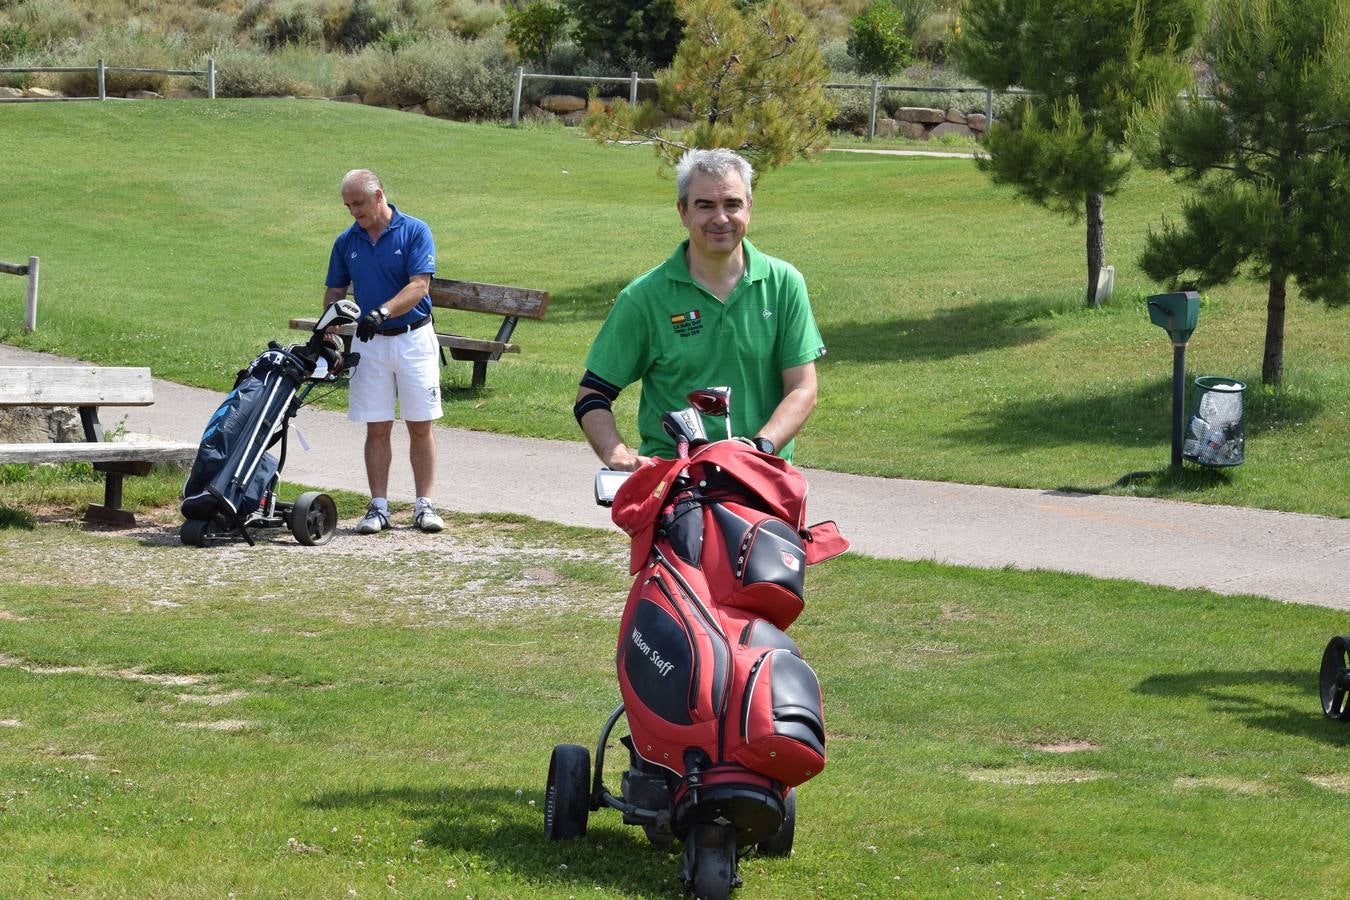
x=427 y=520
x=374 y=521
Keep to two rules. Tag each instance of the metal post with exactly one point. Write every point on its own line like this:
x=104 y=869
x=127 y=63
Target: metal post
x=515 y=101
x=988 y=109
x=1178 y=401
x=872 y=113
x=102 y=80
x=632 y=89
x=211 y=78
x=30 y=309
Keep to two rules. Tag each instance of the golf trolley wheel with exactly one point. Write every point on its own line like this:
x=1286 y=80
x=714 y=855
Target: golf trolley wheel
x=710 y=862
x=193 y=532
x=780 y=843
x=1334 y=679
x=313 y=518
x=567 y=797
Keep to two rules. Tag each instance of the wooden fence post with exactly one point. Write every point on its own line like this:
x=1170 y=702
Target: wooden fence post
x=30 y=308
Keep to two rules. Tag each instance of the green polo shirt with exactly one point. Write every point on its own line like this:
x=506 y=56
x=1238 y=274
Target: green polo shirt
x=674 y=336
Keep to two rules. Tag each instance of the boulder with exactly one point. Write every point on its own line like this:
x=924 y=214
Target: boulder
x=417 y=108
x=142 y=95
x=43 y=93
x=921 y=114
x=955 y=115
x=977 y=122
x=575 y=117
x=887 y=127
x=951 y=128
x=10 y=93
x=912 y=130
x=562 y=103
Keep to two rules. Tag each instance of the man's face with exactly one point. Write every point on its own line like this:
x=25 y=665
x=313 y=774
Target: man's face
x=364 y=207
x=716 y=212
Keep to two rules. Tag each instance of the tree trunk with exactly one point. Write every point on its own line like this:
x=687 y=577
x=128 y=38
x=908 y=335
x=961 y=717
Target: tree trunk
x=1096 y=245
x=1272 y=364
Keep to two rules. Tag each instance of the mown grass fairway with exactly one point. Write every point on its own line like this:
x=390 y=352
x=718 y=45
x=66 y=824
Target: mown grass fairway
x=374 y=718
x=183 y=235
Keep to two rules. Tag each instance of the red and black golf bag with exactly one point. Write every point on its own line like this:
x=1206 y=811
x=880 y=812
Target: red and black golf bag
x=719 y=701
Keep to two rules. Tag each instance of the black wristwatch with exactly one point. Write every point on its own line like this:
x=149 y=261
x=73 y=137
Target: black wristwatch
x=764 y=445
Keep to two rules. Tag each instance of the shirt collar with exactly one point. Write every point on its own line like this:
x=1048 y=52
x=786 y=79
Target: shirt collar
x=395 y=221
x=677 y=267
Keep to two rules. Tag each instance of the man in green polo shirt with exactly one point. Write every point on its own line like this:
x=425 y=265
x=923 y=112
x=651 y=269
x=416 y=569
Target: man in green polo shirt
x=716 y=313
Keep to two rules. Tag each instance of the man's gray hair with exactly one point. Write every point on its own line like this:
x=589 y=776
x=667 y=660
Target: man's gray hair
x=365 y=179
x=718 y=163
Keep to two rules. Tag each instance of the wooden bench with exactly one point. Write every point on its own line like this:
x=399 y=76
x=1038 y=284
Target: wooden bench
x=88 y=388
x=511 y=303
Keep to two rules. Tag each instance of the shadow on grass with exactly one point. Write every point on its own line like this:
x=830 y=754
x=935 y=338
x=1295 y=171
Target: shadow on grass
x=1231 y=694
x=947 y=333
x=587 y=303
x=488 y=822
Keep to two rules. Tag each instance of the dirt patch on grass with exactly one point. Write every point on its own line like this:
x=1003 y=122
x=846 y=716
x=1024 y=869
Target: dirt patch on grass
x=1241 y=786
x=1069 y=746
x=1335 y=781
x=1022 y=775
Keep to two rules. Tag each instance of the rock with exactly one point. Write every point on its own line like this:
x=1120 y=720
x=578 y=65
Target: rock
x=920 y=114
x=142 y=95
x=346 y=98
x=417 y=108
x=977 y=122
x=955 y=115
x=674 y=123
x=43 y=93
x=535 y=113
x=887 y=127
x=379 y=97
x=562 y=103
x=951 y=128
x=912 y=130
x=575 y=117
x=10 y=93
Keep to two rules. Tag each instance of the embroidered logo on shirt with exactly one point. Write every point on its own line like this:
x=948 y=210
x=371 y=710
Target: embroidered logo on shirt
x=766 y=312
x=398 y=252
x=353 y=254
x=687 y=324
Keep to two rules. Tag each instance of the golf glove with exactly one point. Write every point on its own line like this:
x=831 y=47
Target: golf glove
x=369 y=324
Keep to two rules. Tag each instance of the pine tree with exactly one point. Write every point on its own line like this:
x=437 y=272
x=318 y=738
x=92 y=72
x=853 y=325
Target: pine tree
x=1088 y=63
x=749 y=78
x=1267 y=149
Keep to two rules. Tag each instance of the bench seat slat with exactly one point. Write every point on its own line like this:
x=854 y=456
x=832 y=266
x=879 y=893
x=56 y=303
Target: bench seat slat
x=112 y=451
x=75 y=386
x=499 y=299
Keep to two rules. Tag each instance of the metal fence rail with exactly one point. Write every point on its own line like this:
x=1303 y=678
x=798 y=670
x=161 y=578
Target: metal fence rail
x=875 y=87
x=103 y=69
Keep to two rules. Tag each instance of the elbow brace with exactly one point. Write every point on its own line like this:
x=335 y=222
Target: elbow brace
x=604 y=396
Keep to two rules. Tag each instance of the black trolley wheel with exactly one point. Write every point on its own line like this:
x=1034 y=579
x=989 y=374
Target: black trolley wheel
x=780 y=842
x=193 y=532
x=313 y=518
x=1334 y=679
x=710 y=852
x=567 y=797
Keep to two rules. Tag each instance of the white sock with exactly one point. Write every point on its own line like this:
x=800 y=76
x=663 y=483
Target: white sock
x=423 y=503
x=381 y=504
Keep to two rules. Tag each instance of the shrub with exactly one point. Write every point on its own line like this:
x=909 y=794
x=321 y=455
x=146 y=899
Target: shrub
x=469 y=19
x=129 y=45
x=837 y=57
x=14 y=41
x=641 y=34
x=851 y=108
x=290 y=23
x=353 y=27
x=878 y=40
x=453 y=77
x=534 y=29
x=246 y=72
x=49 y=22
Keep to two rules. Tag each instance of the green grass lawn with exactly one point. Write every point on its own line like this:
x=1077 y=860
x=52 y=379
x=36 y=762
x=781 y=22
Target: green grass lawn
x=374 y=717
x=183 y=236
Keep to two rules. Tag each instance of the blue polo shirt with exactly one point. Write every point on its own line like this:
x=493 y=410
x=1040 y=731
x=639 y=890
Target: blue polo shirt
x=377 y=270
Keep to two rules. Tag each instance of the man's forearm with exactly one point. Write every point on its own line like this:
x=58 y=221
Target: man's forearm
x=602 y=432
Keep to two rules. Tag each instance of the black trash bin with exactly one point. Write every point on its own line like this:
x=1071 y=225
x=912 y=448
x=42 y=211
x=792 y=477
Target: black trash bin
x=1216 y=432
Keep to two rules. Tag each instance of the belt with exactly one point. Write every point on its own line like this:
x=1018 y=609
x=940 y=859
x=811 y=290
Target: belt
x=404 y=329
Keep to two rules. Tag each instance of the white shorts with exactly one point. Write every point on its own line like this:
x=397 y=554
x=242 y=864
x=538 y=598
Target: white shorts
x=403 y=367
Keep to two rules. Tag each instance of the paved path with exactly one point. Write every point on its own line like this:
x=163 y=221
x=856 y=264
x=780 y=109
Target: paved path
x=1230 y=550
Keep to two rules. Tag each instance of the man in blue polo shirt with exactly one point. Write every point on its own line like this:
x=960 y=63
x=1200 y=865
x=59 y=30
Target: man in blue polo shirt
x=387 y=259
x=716 y=313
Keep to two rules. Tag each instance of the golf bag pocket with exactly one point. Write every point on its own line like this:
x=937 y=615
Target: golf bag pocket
x=781 y=730
x=674 y=666
x=767 y=561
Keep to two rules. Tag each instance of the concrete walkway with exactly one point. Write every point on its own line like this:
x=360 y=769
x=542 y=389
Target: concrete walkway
x=1230 y=550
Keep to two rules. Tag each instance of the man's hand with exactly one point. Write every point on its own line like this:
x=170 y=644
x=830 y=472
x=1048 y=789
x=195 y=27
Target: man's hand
x=369 y=324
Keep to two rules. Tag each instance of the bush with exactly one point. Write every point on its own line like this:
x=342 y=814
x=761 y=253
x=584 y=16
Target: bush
x=125 y=46
x=246 y=72
x=851 y=108
x=470 y=20
x=14 y=42
x=878 y=40
x=352 y=28
x=534 y=29
x=939 y=76
x=49 y=22
x=290 y=23
x=841 y=62
x=932 y=37
x=452 y=77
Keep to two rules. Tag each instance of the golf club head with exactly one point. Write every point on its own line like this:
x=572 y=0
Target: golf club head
x=711 y=401
x=685 y=426
x=341 y=312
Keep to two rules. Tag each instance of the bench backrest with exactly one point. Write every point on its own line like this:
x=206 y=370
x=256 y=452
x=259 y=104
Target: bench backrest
x=501 y=299
x=75 y=386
